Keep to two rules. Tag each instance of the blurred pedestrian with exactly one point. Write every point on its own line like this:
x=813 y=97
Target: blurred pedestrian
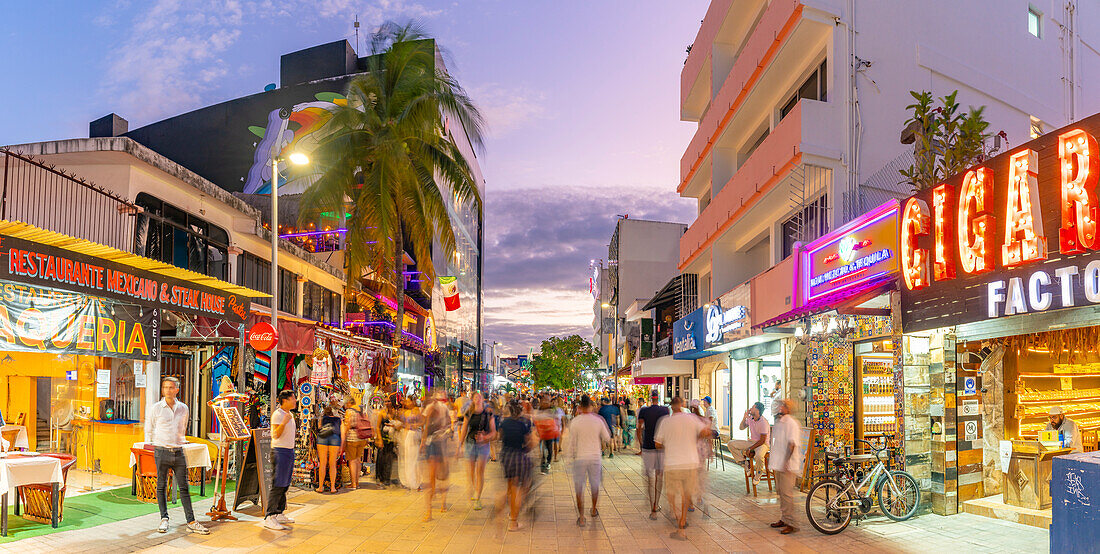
x=652 y=457
x=584 y=442
x=357 y=432
x=547 y=425
x=435 y=448
x=477 y=432
x=705 y=448
x=408 y=448
x=517 y=439
x=712 y=415
x=678 y=435
x=386 y=441
x=786 y=462
x=631 y=425
x=611 y=415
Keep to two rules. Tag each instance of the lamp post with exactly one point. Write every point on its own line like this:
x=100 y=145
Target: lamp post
x=295 y=158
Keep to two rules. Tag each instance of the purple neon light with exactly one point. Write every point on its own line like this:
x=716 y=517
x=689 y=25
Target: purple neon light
x=404 y=333
x=312 y=233
x=887 y=209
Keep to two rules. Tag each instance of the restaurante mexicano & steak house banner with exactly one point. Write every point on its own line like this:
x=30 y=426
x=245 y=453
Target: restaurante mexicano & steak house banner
x=40 y=264
x=40 y=319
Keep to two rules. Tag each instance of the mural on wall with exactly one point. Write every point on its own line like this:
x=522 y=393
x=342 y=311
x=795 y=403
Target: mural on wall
x=306 y=128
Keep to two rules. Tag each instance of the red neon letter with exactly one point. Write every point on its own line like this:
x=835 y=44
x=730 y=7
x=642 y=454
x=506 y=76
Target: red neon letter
x=976 y=233
x=1024 y=237
x=943 y=263
x=1077 y=155
x=914 y=223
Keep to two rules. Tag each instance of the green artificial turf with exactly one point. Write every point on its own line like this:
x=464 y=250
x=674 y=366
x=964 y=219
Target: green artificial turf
x=90 y=510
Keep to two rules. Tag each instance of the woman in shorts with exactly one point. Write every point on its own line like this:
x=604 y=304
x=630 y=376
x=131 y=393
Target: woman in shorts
x=328 y=446
x=517 y=438
x=353 y=445
x=434 y=447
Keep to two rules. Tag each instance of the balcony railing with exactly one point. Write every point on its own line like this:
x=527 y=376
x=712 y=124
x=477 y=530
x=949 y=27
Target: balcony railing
x=45 y=196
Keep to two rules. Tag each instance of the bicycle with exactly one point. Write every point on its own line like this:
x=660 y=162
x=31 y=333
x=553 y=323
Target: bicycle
x=834 y=500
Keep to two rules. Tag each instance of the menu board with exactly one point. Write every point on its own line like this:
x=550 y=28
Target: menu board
x=255 y=475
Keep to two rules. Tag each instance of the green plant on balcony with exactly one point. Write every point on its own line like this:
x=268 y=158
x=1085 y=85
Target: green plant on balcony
x=945 y=140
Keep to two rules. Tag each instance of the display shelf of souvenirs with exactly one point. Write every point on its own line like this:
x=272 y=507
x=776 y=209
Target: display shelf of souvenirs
x=1069 y=408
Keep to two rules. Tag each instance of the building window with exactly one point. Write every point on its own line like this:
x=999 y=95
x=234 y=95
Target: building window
x=255 y=273
x=288 y=291
x=321 y=304
x=169 y=234
x=809 y=224
x=1036 y=127
x=1034 y=22
x=814 y=88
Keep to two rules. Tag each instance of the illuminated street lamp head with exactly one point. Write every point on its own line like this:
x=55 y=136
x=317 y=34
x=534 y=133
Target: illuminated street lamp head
x=298 y=158
x=605 y=305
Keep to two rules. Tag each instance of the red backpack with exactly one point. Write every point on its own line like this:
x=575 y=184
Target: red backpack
x=547 y=428
x=363 y=429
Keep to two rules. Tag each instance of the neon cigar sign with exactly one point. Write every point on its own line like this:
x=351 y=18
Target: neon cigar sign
x=1037 y=203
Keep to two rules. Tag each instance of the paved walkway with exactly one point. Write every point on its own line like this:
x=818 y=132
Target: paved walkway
x=390 y=521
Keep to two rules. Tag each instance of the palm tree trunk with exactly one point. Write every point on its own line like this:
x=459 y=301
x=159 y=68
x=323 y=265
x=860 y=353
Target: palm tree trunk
x=399 y=296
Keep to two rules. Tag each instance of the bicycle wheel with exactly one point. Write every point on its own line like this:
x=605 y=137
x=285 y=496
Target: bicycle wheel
x=899 y=496
x=822 y=507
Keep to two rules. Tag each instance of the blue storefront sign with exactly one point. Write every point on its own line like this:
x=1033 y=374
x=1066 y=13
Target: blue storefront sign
x=694 y=335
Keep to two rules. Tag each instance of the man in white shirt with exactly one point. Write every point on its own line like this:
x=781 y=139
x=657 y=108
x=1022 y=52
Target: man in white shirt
x=786 y=462
x=1068 y=428
x=756 y=446
x=678 y=436
x=584 y=442
x=283 y=431
x=165 y=425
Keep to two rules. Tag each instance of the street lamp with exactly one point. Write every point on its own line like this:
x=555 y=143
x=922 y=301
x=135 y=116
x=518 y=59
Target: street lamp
x=296 y=158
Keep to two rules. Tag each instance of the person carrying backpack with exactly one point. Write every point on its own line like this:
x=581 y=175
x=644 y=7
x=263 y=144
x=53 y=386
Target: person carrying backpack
x=357 y=432
x=549 y=430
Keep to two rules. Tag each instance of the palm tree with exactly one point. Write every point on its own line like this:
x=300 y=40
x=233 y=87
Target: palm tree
x=389 y=157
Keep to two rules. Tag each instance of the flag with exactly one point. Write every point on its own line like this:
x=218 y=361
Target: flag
x=450 y=293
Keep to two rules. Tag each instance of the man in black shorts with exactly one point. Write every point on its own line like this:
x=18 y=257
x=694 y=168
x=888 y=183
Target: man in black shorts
x=651 y=456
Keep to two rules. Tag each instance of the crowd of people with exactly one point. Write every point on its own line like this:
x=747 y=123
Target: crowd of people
x=412 y=442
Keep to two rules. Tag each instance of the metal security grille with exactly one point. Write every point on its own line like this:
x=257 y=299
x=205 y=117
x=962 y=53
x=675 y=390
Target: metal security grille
x=689 y=295
x=45 y=196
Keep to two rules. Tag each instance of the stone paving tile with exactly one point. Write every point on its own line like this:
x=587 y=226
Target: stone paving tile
x=390 y=521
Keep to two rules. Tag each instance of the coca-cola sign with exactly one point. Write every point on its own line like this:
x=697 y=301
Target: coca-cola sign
x=262 y=336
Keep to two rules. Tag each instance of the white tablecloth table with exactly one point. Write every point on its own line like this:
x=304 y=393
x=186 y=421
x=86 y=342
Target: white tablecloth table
x=17 y=470
x=21 y=440
x=196 y=455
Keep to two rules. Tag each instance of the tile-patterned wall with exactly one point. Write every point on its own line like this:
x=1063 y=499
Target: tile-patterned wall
x=830 y=372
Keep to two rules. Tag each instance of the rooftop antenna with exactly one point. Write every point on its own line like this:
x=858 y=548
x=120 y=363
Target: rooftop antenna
x=356 y=25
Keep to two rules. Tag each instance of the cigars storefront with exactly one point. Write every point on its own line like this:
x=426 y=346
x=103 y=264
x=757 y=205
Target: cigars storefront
x=1001 y=286
x=81 y=350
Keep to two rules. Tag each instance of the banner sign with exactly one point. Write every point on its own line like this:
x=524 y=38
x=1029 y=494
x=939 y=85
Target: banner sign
x=1014 y=235
x=40 y=264
x=40 y=319
x=859 y=253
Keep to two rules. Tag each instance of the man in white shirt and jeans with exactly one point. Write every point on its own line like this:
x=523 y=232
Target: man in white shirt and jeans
x=165 y=425
x=786 y=462
x=678 y=436
x=283 y=430
x=588 y=433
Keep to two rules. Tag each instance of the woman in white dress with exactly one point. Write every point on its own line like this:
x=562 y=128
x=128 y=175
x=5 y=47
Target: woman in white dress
x=408 y=451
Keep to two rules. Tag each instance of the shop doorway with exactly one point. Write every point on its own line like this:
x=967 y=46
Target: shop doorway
x=43 y=405
x=762 y=376
x=875 y=405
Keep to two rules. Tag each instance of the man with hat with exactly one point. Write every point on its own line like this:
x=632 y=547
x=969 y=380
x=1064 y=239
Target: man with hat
x=1070 y=435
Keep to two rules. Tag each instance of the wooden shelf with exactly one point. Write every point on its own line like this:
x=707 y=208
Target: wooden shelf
x=1054 y=401
x=1051 y=375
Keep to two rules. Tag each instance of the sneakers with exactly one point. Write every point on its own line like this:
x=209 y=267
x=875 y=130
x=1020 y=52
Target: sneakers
x=271 y=522
x=282 y=518
x=163 y=527
x=194 y=527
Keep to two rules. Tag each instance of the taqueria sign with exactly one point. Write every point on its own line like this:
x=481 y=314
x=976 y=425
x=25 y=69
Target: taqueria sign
x=41 y=319
x=1016 y=234
x=39 y=264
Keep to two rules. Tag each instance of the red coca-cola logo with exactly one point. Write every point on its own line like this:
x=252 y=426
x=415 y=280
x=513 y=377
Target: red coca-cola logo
x=262 y=336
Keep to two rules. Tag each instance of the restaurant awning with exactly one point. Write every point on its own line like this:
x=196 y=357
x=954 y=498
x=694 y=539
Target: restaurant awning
x=88 y=248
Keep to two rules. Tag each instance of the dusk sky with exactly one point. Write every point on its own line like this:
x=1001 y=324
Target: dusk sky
x=581 y=98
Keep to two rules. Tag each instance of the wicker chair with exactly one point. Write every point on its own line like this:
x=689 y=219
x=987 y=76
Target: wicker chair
x=146 y=472
x=37 y=505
